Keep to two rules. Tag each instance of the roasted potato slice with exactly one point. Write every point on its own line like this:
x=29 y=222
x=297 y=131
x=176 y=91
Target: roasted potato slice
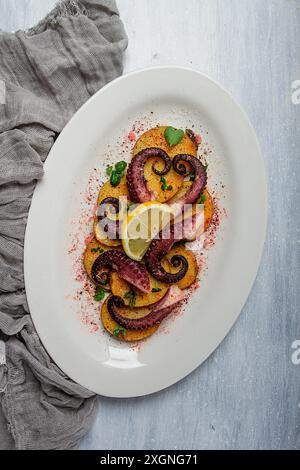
x=208 y=203
x=192 y=272
x=134 y=313
x=181 y=192
x=128 y=335
x=103 y=238
x=107 y=190
x=91 y=253
x=155 y=138
x=208 y=209
x=122 y=288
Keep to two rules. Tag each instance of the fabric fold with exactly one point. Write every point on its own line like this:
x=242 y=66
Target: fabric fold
x=47 y=73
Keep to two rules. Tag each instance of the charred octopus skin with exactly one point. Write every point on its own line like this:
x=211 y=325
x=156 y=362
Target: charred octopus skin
x=153 y=318
x=136 y=182
x=110 y=227
x=159 y=248
x=131 y=271
x=200 y=180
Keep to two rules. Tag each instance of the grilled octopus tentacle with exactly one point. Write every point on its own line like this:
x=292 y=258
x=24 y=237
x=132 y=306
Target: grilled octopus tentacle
x=131 y=271
x=110 y=227
x=200 y=180
x=157 y=250
x=154 y=317
x=136 y=183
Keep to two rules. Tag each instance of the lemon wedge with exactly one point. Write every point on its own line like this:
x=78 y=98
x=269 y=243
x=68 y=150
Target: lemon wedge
x=143 y=223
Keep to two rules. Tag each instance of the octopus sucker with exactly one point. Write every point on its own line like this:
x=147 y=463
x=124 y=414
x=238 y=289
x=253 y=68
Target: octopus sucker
x=200 y=179
x=136 y=182
x=131 y=271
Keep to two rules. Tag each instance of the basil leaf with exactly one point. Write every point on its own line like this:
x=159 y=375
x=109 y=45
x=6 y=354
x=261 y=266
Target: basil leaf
x=173 y=136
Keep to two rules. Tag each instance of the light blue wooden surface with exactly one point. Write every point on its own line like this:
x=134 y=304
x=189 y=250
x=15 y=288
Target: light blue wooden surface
x=247 y=394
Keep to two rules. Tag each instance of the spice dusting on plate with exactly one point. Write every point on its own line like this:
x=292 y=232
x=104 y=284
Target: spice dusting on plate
x=105 y=267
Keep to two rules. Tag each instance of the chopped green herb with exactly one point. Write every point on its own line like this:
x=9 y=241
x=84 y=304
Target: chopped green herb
x=193 y=176
x=117 y=173
x=131 y=296
x=206 y=166
x=173 y=136
x=95 y=250
x=120 y=167
x=99 y=294
x=202 y=199
x=115 y=178
x=120 y=330
x=156 y=289
x=165 y=186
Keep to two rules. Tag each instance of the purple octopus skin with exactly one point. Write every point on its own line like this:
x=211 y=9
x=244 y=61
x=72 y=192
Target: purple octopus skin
x=159 y=247
x=110 y=227
x=129 y=270
x=186 y=229
x=200 y=181
x=192 y=136
x=136 y=182
x=156 y=316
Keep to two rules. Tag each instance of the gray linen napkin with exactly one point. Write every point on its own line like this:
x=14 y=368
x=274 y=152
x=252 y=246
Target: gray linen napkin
x=46 y=74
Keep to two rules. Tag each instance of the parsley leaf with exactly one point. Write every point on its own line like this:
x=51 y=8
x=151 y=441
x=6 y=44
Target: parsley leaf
x=120 y=167
x=99 y=294
x=115 y=178
x=117 y=173
x=95 y=250
x=131 y=296
x=202 y=199
x=120 y=330
x=165 y=186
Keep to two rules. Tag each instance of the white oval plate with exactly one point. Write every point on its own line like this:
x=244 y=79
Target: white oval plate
x=100 y=363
